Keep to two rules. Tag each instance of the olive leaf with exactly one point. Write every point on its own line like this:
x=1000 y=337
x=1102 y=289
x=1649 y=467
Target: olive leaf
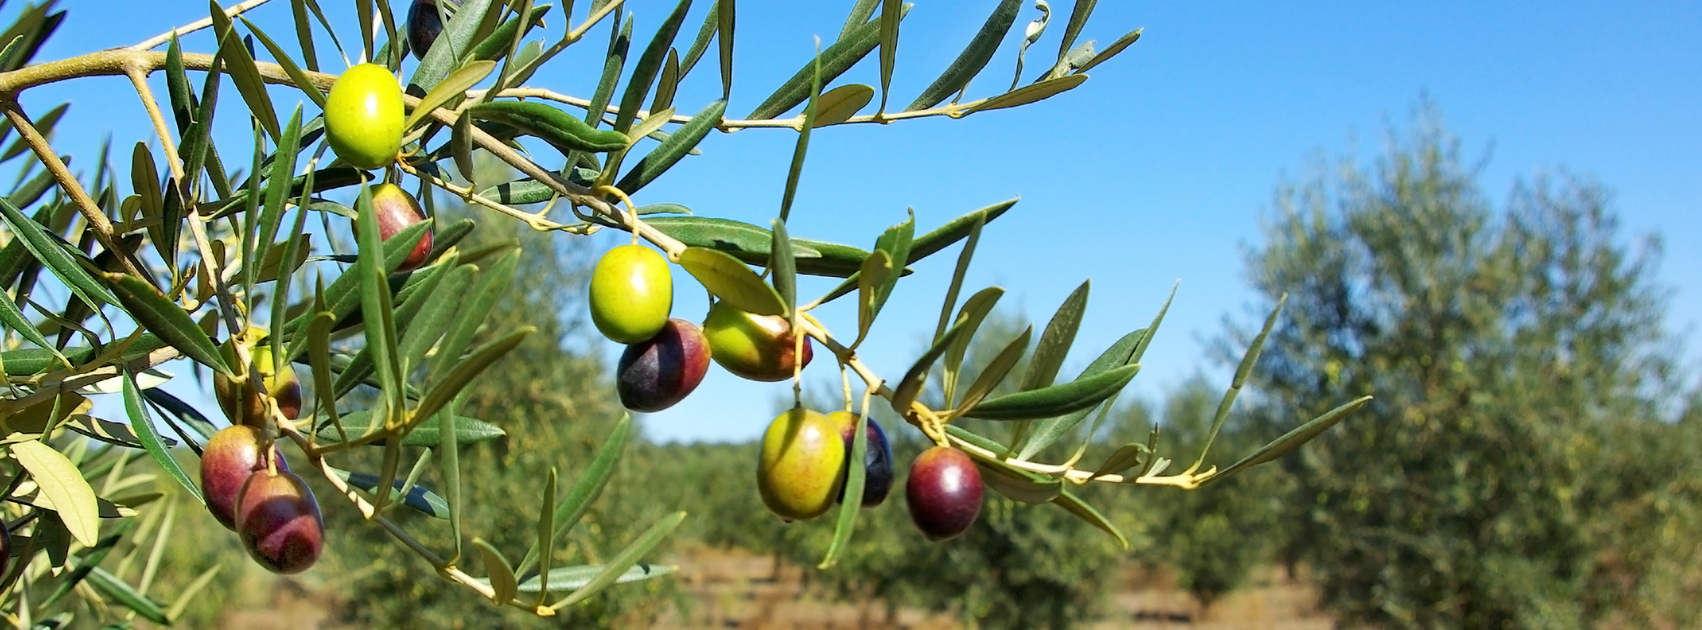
x=731 y=281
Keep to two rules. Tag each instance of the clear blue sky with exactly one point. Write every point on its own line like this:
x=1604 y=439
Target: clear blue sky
x=1155 y=170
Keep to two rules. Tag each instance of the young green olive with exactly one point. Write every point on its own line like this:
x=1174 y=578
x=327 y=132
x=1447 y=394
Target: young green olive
x=632 y=293
x=363 y=116
x=802 y=465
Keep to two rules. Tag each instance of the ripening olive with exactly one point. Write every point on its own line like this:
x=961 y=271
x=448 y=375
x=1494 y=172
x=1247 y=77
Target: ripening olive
x=754 y=347
x=802 y=465
x=424 y=25
x=229 y=459
x=238 y=398
x=943 y=492
x=397 y=210
x=631 y=293
x=279 y=523
x=657 y=373
x=877 y=457
x=363 y=116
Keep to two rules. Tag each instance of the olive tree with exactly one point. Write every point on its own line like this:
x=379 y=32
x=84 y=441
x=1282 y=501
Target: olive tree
x=1521 y=372
x=237 y=259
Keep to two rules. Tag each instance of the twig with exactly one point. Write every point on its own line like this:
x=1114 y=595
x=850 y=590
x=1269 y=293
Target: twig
x=952 y=110
x=196 y=25
x=96 y=218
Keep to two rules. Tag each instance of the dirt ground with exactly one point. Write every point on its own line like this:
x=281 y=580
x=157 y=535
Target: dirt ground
x=732 y=589
x=738 y=590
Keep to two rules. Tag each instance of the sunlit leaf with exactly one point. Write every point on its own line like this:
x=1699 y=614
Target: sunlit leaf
x=972 y=59
x=1031 y=93
x=63 y=485
x=1056 y=400
x=144 y=428
x=731 y=281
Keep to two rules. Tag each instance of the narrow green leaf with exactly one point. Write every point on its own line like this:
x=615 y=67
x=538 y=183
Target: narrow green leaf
x=1125 y=457
x=590 y=485
x=972 y=59
x=546 y=534
x=785 y=270
x=118 y=590
x=62 y=485
x=501 y=578
x=462 y=374
x=484 y=296
x=193 y=590
x=301 y=79
x=461 y=148
x=277 y=193
x=657 y=119
x=668 y=84
x=1078 y=19
x=1075 y=506
x=145 y=181
x=896 y=243
x=891 y=15
x=973 y=313
x=841 y=103
x=872 y=276
x=452 y=44
x=562 y=579
x=860 y=14
x=914 y=378
x=552 y=125
x=1056 y=341
x=751 y=244
x=240 y=65
x=624 y=560
x=1017 y=484
x=725 y=14
x=1248 y=360
x=14 y=320
x=855 y=475
x=419 y=498
x=731 y=281
x=376 y=307
x=1056 y=400
x=428 y=433
x=144 y=428
x=1030 y=93
x=996 y=370
x=700 y=45
x=433 y=318
x=1110 y=51
x=303 y=34
x=1046 y=432
x=797 y=168
x=676 y=147
x=449 y=446
x=450 y=90
x=1293 y=439
x=932 y=242
x=159 y=315
x=55 y=254
x=620 y=41
x=835 y=60
x=649 y=64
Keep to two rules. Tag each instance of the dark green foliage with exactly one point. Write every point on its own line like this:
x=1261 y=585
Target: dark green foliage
x=1524 y=395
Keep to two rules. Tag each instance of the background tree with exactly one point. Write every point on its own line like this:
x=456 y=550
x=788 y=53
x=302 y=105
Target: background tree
x=1525 y=390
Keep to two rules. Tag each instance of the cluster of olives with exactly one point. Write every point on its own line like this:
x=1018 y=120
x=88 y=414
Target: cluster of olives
x=805 y=460
x=632 y=296
x=245 y=481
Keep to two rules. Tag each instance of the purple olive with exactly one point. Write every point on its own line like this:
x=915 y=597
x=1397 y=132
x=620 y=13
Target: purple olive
x=944 y=492
x=279 y=523
x=424 y=25
x=229 y=459
x=877 y=458
x=655 y=374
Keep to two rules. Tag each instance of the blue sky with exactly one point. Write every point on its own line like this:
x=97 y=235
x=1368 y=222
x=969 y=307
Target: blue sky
x=1155 y=170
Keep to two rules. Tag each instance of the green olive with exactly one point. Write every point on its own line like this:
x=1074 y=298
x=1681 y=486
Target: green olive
x=753 y=347
x=802 y=465
x=631 y=294
x=363 y=116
